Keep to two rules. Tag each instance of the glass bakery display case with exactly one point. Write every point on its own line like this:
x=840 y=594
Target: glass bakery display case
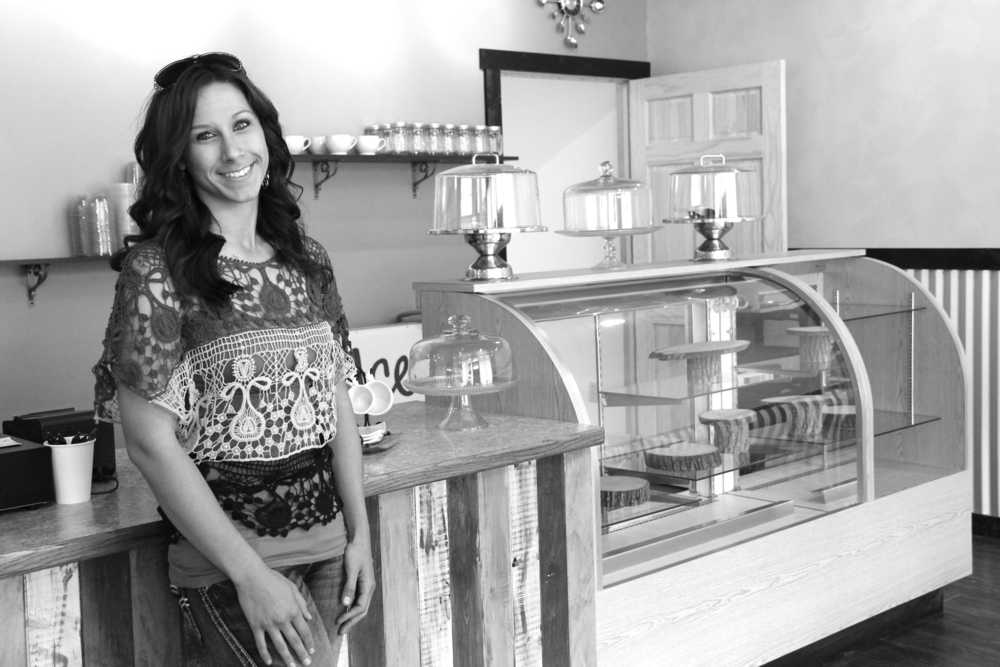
x=737 y=398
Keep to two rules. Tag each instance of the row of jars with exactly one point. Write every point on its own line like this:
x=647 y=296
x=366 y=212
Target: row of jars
x=402 y=138
x=99 y=223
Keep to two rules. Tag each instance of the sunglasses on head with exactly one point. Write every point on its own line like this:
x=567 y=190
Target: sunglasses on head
x=168 y=76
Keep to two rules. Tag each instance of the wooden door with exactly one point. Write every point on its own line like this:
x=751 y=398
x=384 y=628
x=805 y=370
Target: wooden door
x=736 y=111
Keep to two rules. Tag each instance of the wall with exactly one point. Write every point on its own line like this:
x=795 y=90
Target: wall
x=891 y=108
x=561 y=153
x=74 y=99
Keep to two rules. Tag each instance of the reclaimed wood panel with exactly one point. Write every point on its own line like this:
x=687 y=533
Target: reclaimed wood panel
x=52 y=616
x=434 y=575
x=106 y=610
x=567 y=528
x=156 y=618
x=389 y=634
x=13 y=643
x=479 y=545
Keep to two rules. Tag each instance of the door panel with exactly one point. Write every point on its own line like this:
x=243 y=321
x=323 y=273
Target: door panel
x=735 y=111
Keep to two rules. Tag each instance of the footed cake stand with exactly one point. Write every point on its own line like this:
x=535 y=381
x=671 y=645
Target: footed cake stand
x=611 y=259
x=461 y=415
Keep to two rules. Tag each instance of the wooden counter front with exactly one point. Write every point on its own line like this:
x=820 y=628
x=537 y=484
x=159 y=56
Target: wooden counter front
x=127 y=615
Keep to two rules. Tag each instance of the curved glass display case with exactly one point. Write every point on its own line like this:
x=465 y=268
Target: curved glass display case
x=737 y=399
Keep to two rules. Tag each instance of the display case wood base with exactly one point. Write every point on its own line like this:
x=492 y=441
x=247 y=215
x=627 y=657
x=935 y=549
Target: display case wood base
x=758 y=600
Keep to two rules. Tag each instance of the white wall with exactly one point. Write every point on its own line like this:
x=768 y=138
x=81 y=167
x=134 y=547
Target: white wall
x=74 y=79
x=892 y=128
x=576 y=130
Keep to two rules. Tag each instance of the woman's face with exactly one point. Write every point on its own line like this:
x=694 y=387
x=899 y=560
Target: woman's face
x=226 y=155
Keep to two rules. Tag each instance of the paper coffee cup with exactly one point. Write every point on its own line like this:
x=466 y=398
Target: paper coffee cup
x=72 y=468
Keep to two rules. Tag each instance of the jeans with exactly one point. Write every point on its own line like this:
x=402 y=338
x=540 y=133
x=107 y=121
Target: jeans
x=216 y=632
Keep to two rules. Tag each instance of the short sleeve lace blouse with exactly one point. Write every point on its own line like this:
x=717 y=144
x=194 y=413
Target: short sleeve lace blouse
x=252 y=387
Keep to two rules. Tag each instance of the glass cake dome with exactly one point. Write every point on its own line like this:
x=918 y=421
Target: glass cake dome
x=609 y=207
x=459 y=363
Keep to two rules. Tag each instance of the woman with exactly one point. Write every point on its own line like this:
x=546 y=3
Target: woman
x=225 y=358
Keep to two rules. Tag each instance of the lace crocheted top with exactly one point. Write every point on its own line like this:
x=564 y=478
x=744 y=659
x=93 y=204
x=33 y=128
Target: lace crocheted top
x=252 y=387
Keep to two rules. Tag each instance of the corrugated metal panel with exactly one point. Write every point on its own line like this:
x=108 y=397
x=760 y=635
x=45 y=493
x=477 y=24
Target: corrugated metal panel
x=971 y=300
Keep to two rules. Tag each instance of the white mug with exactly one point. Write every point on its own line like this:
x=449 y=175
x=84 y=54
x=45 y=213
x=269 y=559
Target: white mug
x=370 y=144
x=317 y=145
x=297 y=144
x=361 y=398
x=341 y=144
x=382 y=397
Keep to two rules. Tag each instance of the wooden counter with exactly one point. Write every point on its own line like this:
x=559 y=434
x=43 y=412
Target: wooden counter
x=127 y=615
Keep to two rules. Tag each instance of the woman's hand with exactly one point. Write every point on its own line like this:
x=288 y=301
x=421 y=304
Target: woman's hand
x=359 y=584
x=276 y=610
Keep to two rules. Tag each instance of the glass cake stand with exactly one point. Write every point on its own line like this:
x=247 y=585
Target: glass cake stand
x=461 y=415
x=611 y=259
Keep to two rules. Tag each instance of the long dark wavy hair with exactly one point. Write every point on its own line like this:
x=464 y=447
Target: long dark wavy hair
x=167 y=208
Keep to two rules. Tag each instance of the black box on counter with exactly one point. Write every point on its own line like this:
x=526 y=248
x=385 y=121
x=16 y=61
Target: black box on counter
x=25 y=474
x=53 y=424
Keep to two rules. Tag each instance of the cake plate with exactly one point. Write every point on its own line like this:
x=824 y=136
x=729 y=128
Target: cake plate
x=611 y=259
x=461 y=415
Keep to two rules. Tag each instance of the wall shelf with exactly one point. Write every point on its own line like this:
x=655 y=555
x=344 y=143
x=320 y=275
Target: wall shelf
x=35 y=271
x=422 y=167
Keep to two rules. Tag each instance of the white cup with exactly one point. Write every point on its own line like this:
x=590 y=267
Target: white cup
x=340 y=144
x=317 y=145
x=382 y=397
x=72 y=469
x=370 y=144
x=361 y=398
x=297 y=144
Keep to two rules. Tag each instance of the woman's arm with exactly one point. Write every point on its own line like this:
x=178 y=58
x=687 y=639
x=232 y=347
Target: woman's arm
x=359 y=584
x=272 y=604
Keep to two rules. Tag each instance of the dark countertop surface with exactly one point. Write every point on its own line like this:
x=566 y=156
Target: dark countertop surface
x=415 y=453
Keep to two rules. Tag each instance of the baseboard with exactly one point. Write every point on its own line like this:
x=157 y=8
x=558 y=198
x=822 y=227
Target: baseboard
x=867 y=631
x=986 y=525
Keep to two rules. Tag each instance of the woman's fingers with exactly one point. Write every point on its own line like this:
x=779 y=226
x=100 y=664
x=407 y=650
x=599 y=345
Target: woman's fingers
x=261 y=641
x=280 y=647
x=303 y=605
x=305 y=637
x=295 y=644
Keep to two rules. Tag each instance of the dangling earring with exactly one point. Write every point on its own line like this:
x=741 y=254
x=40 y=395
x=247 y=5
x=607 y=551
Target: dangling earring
x=267 y=179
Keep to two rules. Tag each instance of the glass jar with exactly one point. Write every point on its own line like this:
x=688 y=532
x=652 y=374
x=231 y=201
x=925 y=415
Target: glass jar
x=81 y=239
x=435 y=139
x=385 y=131
x=495 y=139
x=399 y=139
x=102 y=233
x=480 y=140
x=418 y=138
x=371 y=128
x=449 y=139
x=464 y=143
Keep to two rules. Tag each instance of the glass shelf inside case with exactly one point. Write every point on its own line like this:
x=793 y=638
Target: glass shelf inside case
x=671 y=356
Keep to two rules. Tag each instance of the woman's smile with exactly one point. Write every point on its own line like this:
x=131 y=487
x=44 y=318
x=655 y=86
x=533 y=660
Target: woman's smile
x=227 y=154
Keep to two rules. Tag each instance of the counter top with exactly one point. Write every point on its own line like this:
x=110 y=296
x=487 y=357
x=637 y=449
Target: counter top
x=33 y=539
x=580 y=277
